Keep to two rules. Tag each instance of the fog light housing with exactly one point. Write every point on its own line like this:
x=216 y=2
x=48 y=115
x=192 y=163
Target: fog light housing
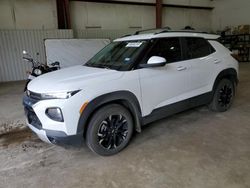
x=54 y=114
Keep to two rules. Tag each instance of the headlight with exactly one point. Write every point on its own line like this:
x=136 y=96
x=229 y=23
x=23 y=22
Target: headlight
x=59 y=95
x=37 y=72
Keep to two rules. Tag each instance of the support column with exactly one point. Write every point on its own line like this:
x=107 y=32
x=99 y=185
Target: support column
x=158 y=13
x=63 y=14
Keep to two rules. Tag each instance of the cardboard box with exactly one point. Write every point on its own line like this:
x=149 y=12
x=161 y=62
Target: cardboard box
x=229 y=30
x=235 y=31
x=244 y=29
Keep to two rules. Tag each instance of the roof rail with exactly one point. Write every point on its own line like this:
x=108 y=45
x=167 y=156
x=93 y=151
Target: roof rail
x=152 y=29
x=127 y=35
x=181 y=31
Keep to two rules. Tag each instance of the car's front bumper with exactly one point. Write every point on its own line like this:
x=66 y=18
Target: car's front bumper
x=48 y=135
x=40 y=133
x=57 y=137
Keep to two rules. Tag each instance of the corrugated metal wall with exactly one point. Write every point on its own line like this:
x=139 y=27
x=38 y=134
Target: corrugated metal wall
x=12 y=42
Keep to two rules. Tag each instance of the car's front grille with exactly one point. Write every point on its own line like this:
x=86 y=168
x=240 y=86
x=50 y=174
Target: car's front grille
x=32 y=117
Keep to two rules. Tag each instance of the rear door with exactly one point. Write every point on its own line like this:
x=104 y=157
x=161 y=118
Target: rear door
x=199 y=55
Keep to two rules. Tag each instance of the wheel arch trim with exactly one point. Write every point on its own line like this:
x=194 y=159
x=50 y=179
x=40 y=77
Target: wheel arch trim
x=127 y=97
x=224 y=74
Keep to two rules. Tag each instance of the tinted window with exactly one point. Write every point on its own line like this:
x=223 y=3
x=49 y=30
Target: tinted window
x=198 y=47
x=169 y=48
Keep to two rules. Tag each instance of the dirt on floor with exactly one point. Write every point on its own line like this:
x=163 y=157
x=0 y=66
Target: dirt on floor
x=193 y=149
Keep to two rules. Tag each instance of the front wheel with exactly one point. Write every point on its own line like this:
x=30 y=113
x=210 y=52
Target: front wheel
x=223 y=96
x=109 y=130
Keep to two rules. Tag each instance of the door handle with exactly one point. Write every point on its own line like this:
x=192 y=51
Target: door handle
x=217 y=61
x=181 y=68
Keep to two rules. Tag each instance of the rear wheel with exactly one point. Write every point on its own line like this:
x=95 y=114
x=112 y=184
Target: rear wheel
x=223 y=96
x=109 y=130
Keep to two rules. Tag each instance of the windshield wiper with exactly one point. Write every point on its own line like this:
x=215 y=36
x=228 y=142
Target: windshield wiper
x=104 y=66
x=98 y=66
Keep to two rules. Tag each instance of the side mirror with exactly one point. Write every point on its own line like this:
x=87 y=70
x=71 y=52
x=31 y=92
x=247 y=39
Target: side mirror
x=155 y=61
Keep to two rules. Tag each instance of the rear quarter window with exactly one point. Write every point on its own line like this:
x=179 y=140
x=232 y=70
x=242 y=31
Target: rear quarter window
x=198 y=47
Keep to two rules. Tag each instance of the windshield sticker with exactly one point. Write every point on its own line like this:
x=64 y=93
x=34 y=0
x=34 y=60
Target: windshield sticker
x=133 y=44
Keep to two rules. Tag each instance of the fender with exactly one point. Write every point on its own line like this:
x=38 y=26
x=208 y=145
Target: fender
x=125 y=98
x=230 y=73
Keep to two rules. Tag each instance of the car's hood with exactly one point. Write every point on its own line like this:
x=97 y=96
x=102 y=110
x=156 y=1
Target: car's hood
x=72 y=78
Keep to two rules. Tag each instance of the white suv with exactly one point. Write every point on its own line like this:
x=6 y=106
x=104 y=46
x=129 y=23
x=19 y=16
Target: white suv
x=133 y=81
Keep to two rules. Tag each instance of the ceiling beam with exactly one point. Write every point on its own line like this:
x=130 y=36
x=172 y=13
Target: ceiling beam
x=188 y=6
x=147 y=4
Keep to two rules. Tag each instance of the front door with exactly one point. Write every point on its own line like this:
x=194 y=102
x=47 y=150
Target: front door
x=161 y=86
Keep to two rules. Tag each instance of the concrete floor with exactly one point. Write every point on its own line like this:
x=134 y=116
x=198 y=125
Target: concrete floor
x=196 y=149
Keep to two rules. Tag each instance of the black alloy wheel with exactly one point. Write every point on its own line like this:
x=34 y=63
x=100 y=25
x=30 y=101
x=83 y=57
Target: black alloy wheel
x=109 y=130
x=113 y=131
x=223 y=96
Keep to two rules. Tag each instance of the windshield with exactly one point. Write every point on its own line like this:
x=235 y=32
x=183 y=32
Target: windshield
x=118 y=55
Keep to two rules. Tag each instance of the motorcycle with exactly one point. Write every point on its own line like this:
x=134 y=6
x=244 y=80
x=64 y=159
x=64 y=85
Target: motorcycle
x=38 y=68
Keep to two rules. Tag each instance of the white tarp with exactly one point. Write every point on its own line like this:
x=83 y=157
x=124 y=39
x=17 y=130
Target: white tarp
x=70 y=52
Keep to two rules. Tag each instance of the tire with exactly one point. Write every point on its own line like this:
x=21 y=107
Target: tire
x=223 y=96
x=109 y=130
